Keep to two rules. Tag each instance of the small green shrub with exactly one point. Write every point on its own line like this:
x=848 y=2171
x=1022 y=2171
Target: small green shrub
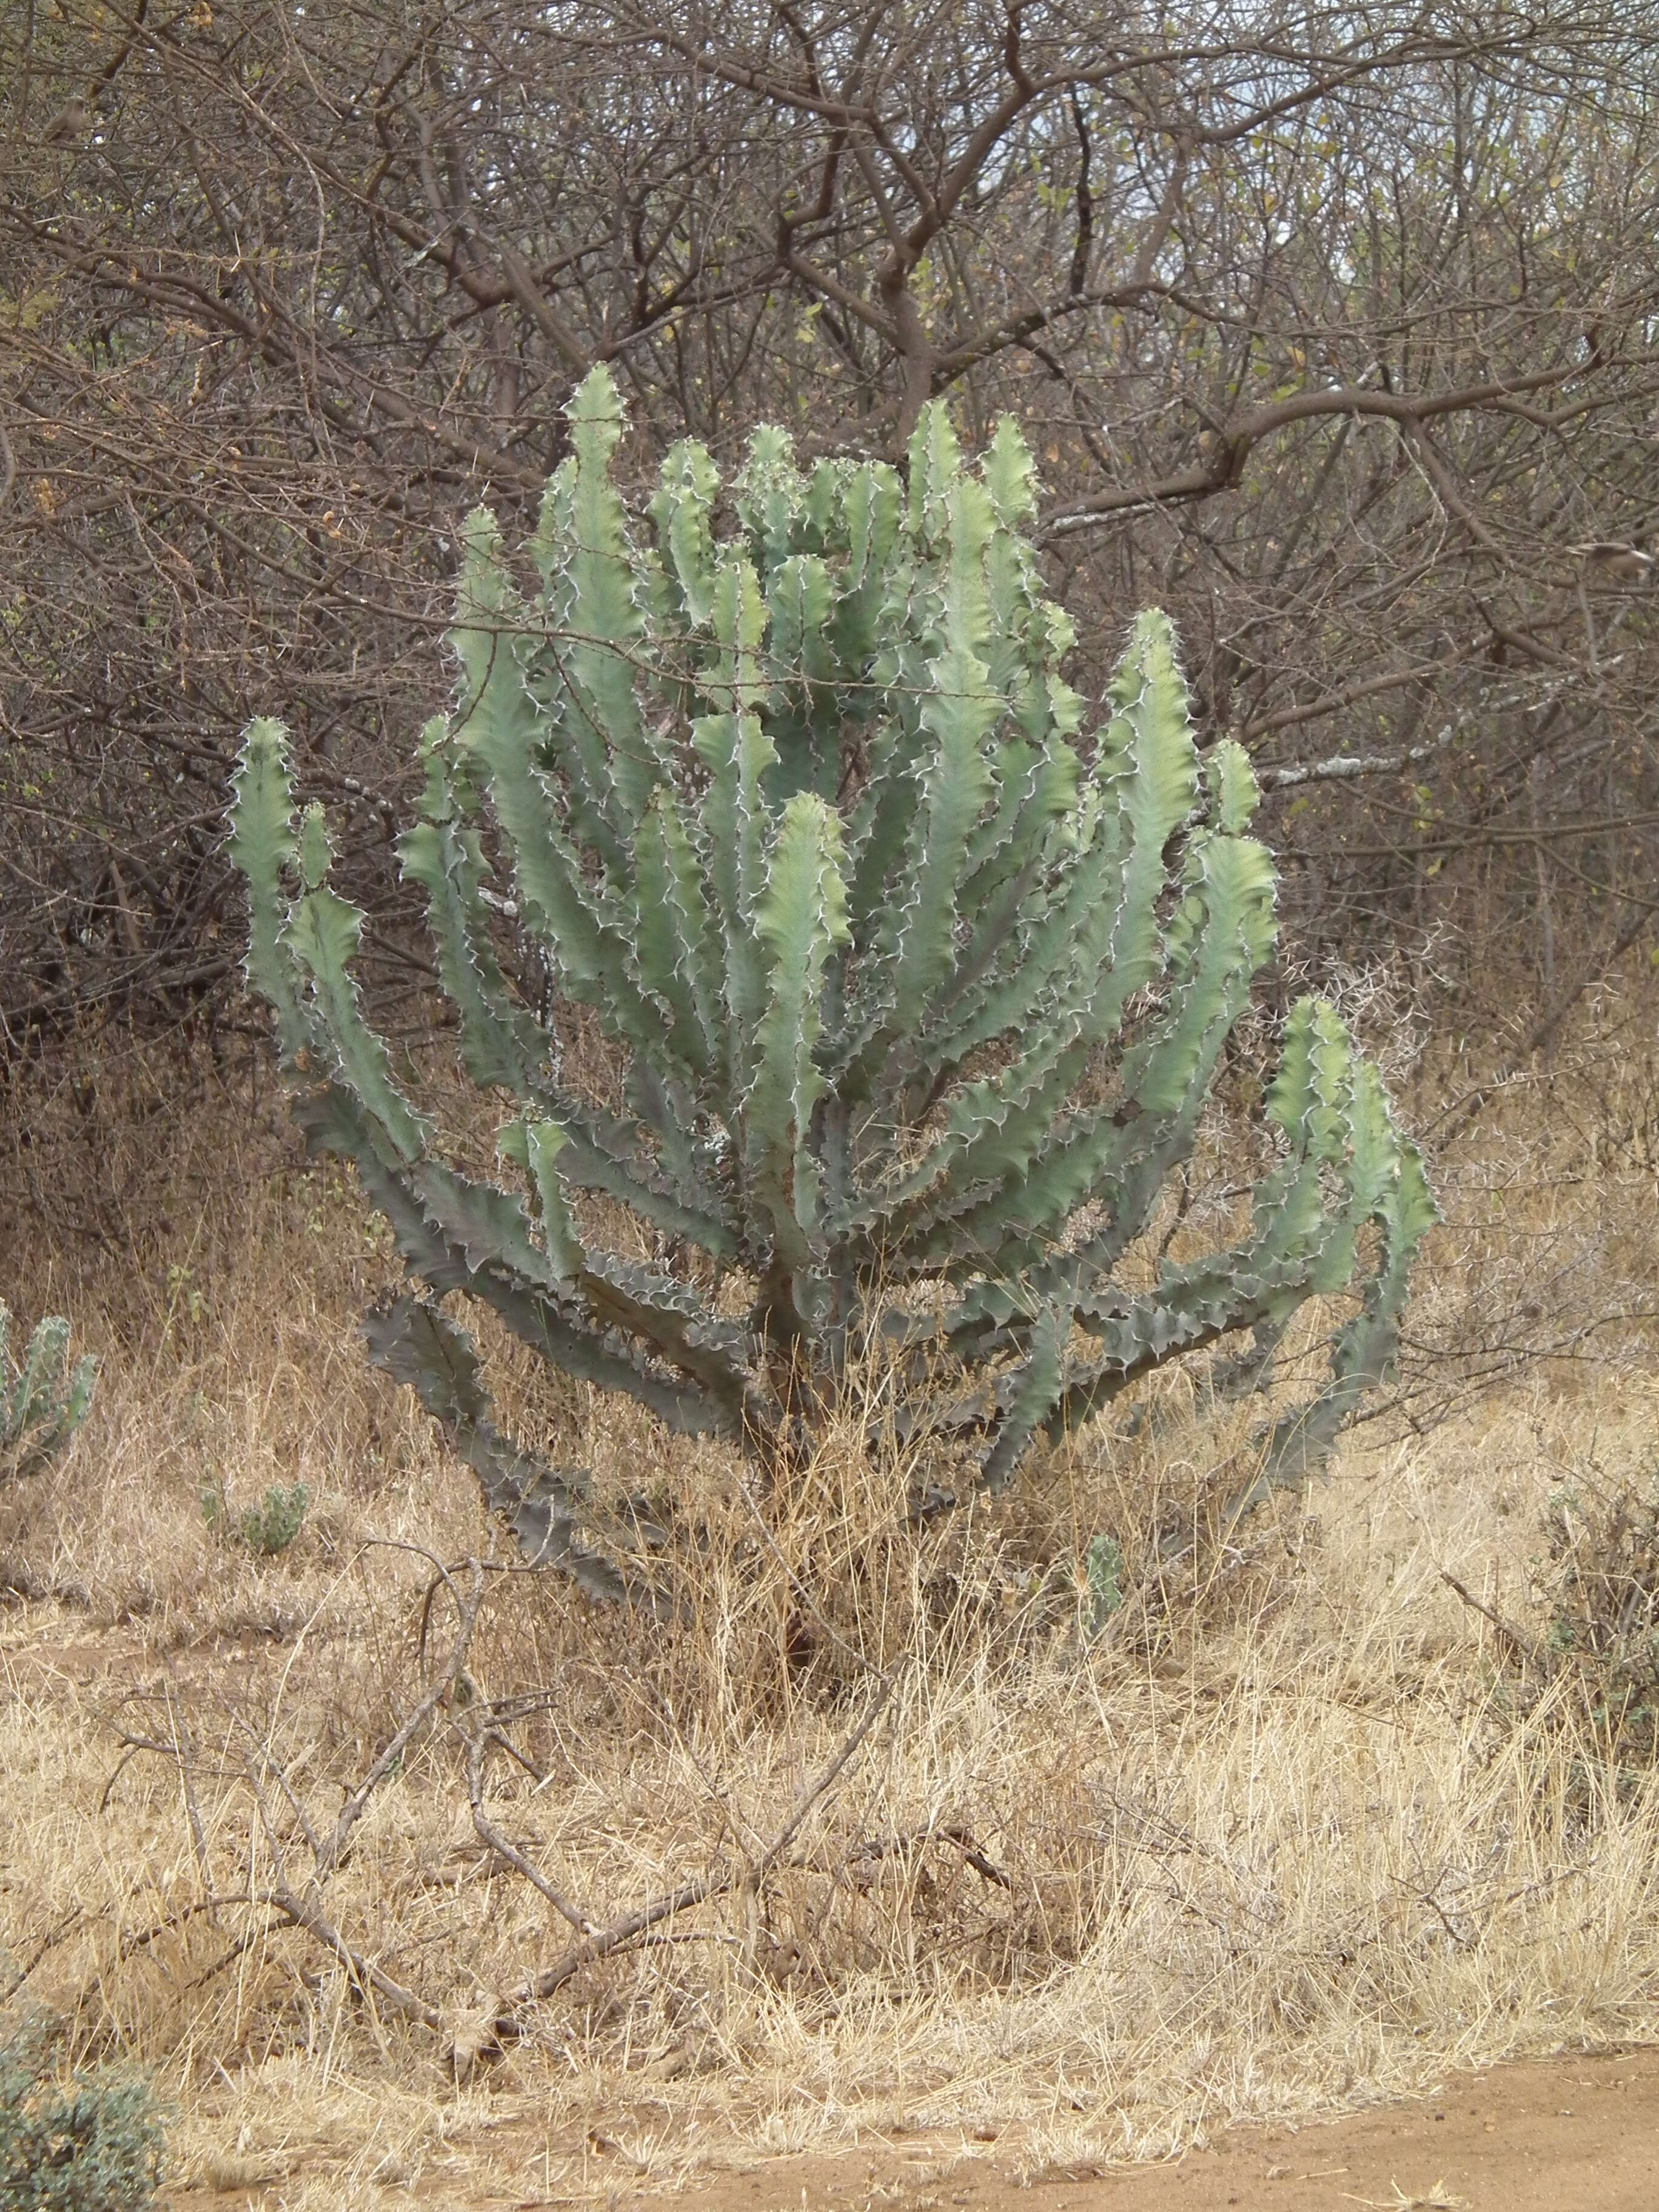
x=271 y=1526
x=44 y=1402
x=93 y=2146
x=267 y=1528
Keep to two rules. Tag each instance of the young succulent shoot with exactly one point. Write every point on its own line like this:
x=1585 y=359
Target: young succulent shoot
x=44 y=1400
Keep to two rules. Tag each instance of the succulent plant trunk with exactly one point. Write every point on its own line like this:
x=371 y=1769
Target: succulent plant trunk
x=919 y=989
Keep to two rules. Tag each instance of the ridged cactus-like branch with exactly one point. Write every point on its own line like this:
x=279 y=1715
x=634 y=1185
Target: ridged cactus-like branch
x=44 y=1401
x=916 y=991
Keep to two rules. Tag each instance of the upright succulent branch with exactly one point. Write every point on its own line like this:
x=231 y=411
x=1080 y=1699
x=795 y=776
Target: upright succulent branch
x=919 y=993
x=44 y=1401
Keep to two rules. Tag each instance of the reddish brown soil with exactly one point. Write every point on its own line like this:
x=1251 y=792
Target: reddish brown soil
x=1572 y=2133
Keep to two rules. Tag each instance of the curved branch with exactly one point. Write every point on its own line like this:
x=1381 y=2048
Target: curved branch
x=1234 y=444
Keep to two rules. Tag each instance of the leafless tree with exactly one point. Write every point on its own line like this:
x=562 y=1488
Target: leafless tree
x=1335 y=330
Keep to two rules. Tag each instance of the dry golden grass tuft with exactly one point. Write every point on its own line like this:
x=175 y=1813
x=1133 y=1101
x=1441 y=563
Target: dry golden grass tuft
x=1285 y=1834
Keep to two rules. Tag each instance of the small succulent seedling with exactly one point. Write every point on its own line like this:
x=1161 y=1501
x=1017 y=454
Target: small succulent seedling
x=1103 y=1581
x=267 y=1528
x=44 y=1401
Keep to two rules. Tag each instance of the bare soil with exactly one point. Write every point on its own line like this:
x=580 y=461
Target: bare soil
x=1574 y=2133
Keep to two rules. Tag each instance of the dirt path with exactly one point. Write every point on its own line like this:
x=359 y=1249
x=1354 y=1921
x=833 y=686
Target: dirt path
x=1570 y=2134
x=1564 y=2134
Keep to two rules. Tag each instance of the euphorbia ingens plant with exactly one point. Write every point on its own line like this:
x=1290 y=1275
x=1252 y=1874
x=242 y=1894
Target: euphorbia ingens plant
x=915 y=991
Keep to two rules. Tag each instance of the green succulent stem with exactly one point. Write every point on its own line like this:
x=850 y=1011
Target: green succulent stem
x=43 y=1399
x=917 y=984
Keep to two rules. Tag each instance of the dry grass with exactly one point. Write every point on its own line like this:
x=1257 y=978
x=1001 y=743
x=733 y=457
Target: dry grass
x=1285 y=1838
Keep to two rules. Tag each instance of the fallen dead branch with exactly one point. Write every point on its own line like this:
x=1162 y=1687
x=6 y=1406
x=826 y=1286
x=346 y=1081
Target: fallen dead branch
x=283 y=1896
x=1520 y=1645
x=604 y=1942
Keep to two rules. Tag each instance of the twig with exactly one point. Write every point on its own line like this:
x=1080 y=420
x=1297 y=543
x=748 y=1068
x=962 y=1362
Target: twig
x=48 y=1941
x=309 y=1916
x=1520 y=1643
x=328 y=1856
x=491 y=1835
x=1457 y=1116
x=1349 y=768
x=715 y=1883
